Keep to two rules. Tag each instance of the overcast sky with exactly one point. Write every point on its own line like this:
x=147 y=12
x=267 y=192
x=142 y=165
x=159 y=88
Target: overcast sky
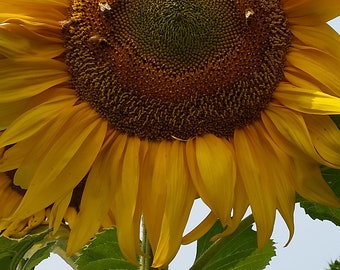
x=314 y=244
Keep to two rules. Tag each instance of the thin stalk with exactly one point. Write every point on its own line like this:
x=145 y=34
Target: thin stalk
x=146 y=259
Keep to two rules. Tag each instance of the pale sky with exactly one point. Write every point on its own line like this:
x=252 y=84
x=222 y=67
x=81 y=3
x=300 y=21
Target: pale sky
x=313 y=246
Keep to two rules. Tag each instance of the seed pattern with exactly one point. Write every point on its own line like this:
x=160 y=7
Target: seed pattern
x=164 y=69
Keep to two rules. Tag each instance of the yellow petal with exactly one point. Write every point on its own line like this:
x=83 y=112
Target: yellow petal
x=212 y=167
x=301 y=79
x=310 y=184
x=48 y=12
x=9 y=198
x=58 y=211
x=283 y=173
x=94 y=207
x=241 y=205
x=25 y=78
x=125 y=182
x=288 y=129
x=10 y=111
x=40 y=144
x=325 y=136
x=317 y=64
x=35 y=119
x=275 y=179
x=14 y=156
x=63 y=160
x=179 y=199
x=200 y=230
x=153 y=188
x=252 y=156
x=309 y=101
x=17 y=41
x=70 y=216
x=311 y=12
x=322 y=37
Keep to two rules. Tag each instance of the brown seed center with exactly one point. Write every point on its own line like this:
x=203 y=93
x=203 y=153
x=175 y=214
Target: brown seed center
x=160 y=69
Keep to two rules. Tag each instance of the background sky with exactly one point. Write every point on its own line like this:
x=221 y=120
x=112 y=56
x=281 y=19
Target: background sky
x=314 y=245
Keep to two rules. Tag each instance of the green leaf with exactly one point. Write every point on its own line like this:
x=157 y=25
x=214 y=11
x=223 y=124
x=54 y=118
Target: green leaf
x=27 y=252
x=205 y=242
x=334 y=265
x=257 y=259
x=13 y=252
x=317 y=211
x=236 y=251
x=39 y=255
x=103 y=253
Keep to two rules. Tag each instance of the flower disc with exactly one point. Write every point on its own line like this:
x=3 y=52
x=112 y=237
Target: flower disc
x=160 y=69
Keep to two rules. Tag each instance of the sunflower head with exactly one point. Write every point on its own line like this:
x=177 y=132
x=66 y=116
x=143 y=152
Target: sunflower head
x=121 y=109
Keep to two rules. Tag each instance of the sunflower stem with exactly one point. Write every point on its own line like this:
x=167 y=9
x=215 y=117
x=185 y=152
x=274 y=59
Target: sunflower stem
x=146 y=260
x=218 y=244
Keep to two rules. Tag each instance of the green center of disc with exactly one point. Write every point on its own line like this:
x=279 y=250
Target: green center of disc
x=179 y=32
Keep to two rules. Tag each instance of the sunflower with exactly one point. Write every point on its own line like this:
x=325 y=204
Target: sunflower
x=117 y=110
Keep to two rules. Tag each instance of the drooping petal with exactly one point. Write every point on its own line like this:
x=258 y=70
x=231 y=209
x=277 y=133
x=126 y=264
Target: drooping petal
x=310 y=184
x=277 y=180
x=154 y=188
x=288 y=129
x=96 y=198
x=74 y=144
x=167 y=198
x=241 y=205
x=211 y=162
x=70 y=216
x=179 y=199
x=58 y=211
x=257 y=180
x=125 y=177
x=283 y=173
x=200 y=230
